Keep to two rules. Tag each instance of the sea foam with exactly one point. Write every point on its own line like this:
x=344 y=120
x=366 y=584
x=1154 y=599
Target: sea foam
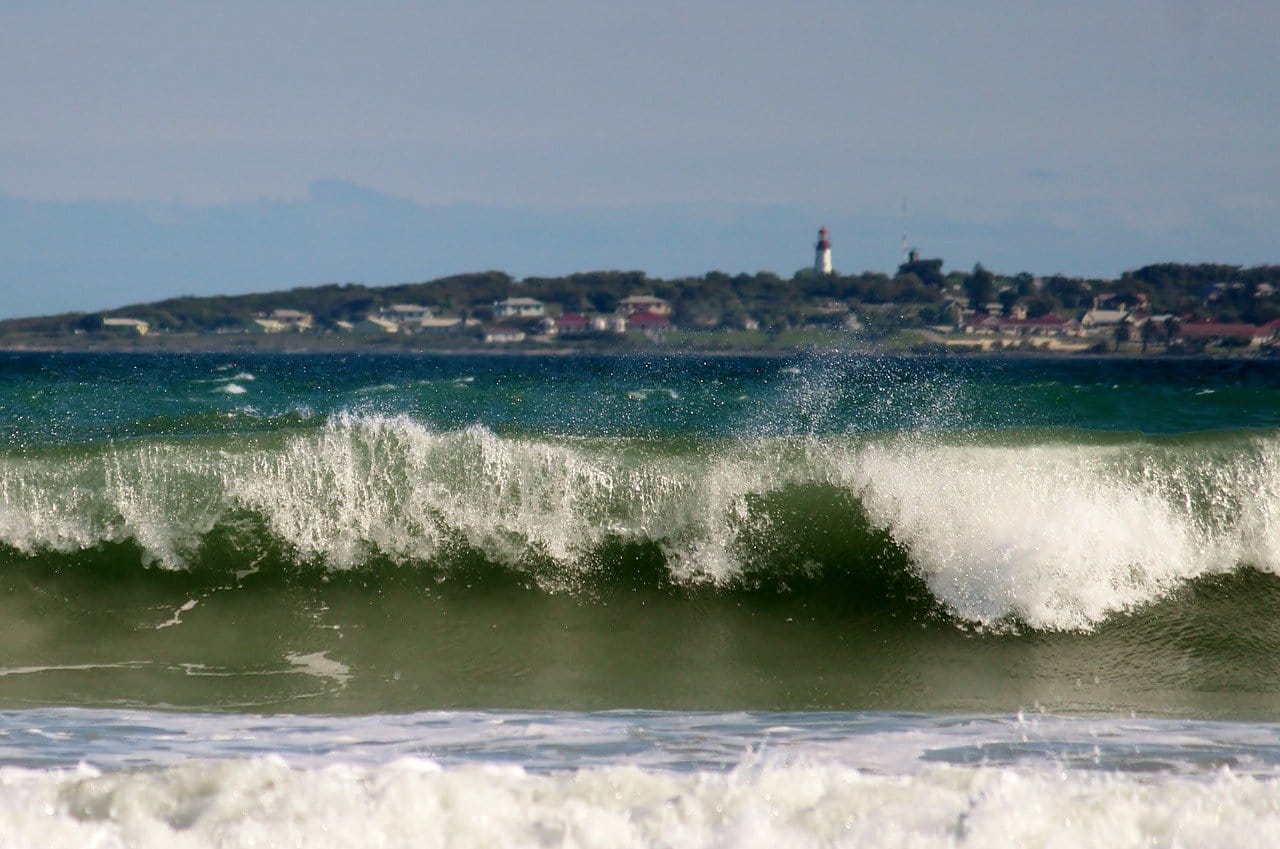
x=1042 y=532
x=415 y=802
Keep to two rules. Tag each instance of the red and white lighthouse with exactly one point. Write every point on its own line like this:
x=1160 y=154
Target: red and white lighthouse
x=822 y=253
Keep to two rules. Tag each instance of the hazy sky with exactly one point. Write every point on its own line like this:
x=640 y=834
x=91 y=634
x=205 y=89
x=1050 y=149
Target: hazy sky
x=1084 y=137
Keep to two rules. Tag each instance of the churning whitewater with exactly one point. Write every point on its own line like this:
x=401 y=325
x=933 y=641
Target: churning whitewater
x=1053 y=530
x=540 y=780
x=638 y=601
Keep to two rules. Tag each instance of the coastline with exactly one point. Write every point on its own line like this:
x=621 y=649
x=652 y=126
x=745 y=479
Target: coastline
x=337 y=345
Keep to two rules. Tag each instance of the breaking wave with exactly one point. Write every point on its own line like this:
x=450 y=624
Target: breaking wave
x=1050 y=530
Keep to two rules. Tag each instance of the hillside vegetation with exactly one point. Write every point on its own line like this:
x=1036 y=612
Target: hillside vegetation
x=919 y=294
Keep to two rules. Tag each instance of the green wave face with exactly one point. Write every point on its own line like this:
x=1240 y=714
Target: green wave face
x=753 y=535
x=1039 y=529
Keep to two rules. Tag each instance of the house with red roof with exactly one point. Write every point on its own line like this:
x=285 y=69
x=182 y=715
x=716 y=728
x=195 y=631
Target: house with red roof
x=569 y=324
x=648 y=322
x=1222 y=332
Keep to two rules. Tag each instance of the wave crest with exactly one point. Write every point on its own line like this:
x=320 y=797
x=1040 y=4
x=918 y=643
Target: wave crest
x=1035 y=530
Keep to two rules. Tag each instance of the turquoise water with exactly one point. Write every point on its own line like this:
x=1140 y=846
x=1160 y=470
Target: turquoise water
x=956 y=584
x=76 y=399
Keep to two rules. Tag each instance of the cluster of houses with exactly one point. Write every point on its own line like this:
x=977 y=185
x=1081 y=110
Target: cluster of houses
x=514 y=320
x=1113 y=321
x=517 y=319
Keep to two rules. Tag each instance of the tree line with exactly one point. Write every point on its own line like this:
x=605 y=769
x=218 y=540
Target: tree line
x=919 y=292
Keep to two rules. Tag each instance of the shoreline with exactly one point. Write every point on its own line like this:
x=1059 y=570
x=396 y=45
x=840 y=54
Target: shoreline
x=312 y=349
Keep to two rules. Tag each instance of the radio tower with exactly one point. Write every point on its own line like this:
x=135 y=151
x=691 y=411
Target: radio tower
x=822 y=253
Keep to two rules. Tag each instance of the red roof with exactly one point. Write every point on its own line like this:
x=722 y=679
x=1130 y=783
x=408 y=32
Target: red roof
x=645 y=320
x=1216 y=330
x=572 y=319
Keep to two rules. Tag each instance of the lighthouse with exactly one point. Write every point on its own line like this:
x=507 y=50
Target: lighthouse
x=822 y=253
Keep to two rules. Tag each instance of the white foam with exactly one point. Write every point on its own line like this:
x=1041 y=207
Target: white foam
x=232 y=389
x=1057 y=536
x=176 y=619
x=70 y=667
x=645 y=393
x=1062 y=536
x=320 y=665
x=242 y=376
x=413 y=802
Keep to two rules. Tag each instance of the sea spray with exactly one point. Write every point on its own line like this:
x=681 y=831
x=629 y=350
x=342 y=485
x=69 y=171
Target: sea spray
x=1033 y=528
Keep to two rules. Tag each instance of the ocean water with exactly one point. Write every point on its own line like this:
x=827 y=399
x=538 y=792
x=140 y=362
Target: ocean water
x=815 y=600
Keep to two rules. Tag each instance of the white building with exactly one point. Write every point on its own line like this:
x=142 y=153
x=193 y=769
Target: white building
x=519 y=308
x=1102 y=318
x=270 y=325
x=292 y=319
x=135 y=325
x=503 y=335
x=406 y=314
x=609 y=323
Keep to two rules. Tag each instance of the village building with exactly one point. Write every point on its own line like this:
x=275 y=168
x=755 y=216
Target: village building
x=376 y=324
x=292 y=319
x=994 y=325
x=569 y=324
x=439 y=324
x=609 y=323
x=269 y=325
x=499 y=335
x=1095 y=319
x=648 y=323
x=1116 y=301
x=1219 y=333
x=1044 y=325
x=131 y=325
x=519 y=308
x=644 y=303
x=407 y=316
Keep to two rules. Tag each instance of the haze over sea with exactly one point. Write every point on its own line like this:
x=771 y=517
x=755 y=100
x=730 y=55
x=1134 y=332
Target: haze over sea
x=666 y=601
